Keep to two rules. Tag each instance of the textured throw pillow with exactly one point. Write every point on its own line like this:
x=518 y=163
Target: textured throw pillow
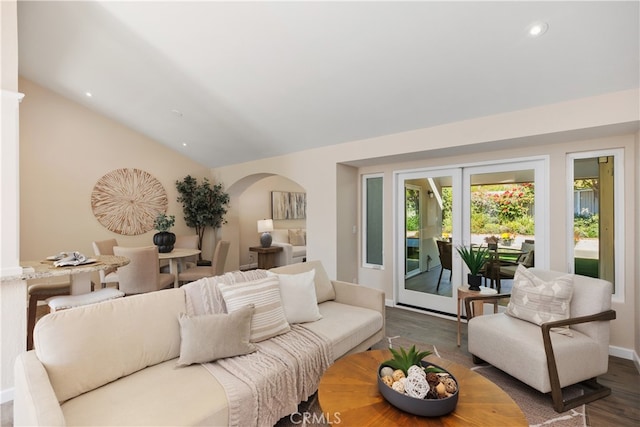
x=215 y=336
x=538 y=301
x=298 y=292
x=297 y=238
x=268 y=319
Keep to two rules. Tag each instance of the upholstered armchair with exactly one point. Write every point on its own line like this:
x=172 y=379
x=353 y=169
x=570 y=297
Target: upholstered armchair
x=547 y=354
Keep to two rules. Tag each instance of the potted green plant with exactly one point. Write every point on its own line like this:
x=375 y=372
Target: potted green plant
x=164 y=239
x=204 y=205
x=475 y=258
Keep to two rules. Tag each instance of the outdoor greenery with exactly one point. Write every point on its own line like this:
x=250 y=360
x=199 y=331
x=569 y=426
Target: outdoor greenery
x=203 y=205
x=496 y=209
x=412 y=210
x=586 y=225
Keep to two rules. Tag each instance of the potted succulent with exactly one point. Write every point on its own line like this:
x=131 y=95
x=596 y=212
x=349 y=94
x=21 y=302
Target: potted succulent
x=164 y=239
x=475 y=258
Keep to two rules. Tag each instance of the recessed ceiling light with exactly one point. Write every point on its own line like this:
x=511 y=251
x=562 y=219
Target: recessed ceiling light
x=538 y=28
x=184 y=144
x=88 y=94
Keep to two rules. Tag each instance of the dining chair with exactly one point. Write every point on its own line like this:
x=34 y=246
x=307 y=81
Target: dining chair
x=215 y=269
x=40 y=292
x=142 y=274
x=500 y=269
x=445 y=251
x=189 y=241
x=105 y=247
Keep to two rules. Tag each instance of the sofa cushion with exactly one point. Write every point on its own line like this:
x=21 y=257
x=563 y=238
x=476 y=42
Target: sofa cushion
x=268 y=319
x=539 y=301
x=280 y=235
x=161 y=395
x=297 y=237
x=298 y=294
x=215 y=336
x=345 y=326
x=120 y=336
x=324 y=287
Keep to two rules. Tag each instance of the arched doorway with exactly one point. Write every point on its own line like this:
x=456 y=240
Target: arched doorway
x=250 y=202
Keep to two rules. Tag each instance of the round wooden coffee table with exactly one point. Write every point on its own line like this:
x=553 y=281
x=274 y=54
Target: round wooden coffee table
x=349 y=392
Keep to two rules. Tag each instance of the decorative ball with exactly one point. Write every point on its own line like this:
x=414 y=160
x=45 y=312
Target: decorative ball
x=450 y=385
x=416 y=370
x=397 y=374
x=432 y=378
x=398 y=386
x=387 y=380
x=386 y=372
x=416 y=386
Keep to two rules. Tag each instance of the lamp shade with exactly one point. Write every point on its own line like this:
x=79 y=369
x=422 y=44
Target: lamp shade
x=265 y=225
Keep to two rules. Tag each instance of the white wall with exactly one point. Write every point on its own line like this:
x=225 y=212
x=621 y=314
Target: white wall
x=65 y=149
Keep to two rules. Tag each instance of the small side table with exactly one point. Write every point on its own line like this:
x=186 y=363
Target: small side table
x=266 y=256
x=463 y=292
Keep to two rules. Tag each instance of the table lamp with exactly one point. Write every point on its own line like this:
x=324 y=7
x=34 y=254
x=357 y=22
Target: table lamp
x=264 y=227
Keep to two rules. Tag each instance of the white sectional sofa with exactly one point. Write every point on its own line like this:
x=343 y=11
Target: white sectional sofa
x=115 y=363
x=294 y=245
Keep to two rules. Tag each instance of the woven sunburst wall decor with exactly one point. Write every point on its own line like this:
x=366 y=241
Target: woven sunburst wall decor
x=127 y=201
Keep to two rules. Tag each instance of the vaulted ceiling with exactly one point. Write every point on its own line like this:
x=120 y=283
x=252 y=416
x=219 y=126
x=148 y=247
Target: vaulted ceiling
x=228 y=82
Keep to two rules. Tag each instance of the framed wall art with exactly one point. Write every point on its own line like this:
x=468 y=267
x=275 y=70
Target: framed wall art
x=288 y=205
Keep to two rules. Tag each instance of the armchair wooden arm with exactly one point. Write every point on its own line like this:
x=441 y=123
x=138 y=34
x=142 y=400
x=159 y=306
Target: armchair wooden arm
x=469 y=306
x=597 y=390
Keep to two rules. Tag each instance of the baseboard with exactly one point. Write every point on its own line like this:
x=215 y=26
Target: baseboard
x=623 y=353
x=389 y=303
x=6 y=395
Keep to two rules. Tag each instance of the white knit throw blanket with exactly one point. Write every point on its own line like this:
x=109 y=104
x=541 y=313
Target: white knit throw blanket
x=266 y=385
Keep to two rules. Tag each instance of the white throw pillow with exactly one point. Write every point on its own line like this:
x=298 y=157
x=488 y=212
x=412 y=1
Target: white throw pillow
x=538 y=301
x=298 y=292
x=268 y=319
x=215 y=336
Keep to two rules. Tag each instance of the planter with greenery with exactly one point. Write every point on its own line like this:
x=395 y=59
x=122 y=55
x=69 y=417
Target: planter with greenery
x=475 y=259
x=204 y=205
x=164 y=239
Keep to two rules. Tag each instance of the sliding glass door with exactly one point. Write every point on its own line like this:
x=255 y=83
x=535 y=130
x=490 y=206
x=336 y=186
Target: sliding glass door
x=426 y=226
x=439 y=210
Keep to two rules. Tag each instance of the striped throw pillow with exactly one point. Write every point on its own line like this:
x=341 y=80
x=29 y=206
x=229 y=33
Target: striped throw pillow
x=268 y=318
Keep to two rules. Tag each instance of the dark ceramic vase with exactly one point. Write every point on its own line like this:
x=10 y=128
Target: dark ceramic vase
x=474 y=282
x=164 y=240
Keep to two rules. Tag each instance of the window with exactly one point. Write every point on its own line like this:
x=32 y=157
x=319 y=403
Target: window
x=372 y=220
x=595 y=215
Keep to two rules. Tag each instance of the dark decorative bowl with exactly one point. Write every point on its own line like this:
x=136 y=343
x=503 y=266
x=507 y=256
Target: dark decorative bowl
x=420 y=407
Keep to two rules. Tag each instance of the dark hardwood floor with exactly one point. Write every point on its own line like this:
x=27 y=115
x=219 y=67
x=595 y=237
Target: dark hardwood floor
x=620 y=409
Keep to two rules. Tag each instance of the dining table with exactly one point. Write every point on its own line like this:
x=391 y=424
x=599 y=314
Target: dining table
x=176 y=260
x=80 y=275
